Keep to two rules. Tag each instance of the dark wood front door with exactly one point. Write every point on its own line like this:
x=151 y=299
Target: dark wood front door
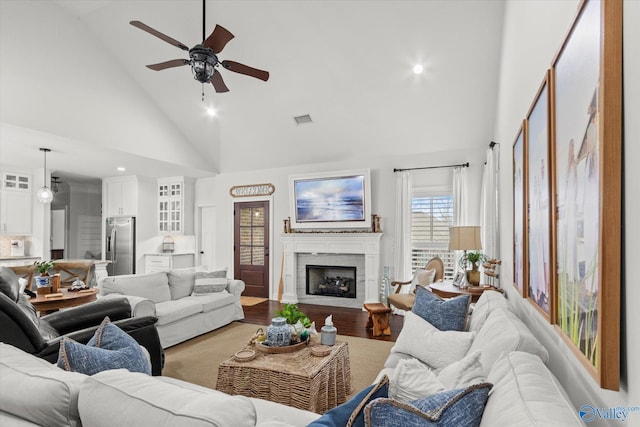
x=251 y=247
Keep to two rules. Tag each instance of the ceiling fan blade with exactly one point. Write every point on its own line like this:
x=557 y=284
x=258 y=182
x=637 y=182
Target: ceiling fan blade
x=237 y=67
x=218 y=39
x=168 y=64
x=158 y=34
x=218 y=83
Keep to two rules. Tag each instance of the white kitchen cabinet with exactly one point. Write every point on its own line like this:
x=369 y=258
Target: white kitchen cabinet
x=16 y=204
x=164 y=262
x=175 y=205
x=121 y=196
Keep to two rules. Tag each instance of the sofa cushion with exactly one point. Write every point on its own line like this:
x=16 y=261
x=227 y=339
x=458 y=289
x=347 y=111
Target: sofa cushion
x=153 y=286
x=35 y=390
x=9 y=284
x=351 y=413
x=444 y=314
x=109 y=348
x=526 y=394
x=488 y=301
x=459 y=408
x=119 y=397
x=170 y=311
x=208 y=282
x=181 y=281
x=213 y=301
x=504 y=332
x=436 y=348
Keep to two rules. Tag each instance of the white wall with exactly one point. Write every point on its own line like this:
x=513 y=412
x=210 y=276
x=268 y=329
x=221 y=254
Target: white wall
x=533 y=33
x=215 y=191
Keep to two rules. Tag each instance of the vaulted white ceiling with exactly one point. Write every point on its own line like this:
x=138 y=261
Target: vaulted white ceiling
x=73 y=78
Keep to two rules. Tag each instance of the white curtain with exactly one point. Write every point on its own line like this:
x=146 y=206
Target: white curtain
x=489 y=205
x=460 y=196
x=459 y=204
x=402 y=243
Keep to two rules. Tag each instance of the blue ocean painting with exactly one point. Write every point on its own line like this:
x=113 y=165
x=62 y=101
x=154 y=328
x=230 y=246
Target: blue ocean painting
x=330 y=199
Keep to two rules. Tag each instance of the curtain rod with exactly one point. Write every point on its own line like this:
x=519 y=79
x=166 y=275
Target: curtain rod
x=462 y=165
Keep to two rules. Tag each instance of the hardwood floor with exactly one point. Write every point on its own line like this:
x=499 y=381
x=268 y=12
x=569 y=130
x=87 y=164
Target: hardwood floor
x=348 y=321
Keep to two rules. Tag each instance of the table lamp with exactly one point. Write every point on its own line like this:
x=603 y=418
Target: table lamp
x=466 y=238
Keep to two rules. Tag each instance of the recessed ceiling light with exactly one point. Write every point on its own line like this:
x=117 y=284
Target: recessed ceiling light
x=211 y=112
x=418 y=69
x=121 y=169
x=305 y=118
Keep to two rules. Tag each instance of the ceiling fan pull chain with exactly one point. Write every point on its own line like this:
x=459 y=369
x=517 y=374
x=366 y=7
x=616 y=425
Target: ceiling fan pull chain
x=203 y=92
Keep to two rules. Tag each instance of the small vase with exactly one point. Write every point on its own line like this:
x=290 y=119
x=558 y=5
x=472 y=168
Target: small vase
x=473 y=277
x=278 y=333
x=43 y=281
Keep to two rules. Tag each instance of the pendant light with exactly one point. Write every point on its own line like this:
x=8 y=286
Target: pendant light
x=44 y=194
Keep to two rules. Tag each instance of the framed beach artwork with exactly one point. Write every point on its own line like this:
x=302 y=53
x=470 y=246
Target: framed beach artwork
x=538 y=240
x=519 y=219
x=586 y=83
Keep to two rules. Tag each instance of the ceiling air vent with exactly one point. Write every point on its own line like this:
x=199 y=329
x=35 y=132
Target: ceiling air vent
x=300 y=120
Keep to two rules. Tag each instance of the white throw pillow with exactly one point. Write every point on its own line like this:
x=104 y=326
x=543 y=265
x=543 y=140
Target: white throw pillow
x=432 y=346
x=422 y=278
x=413 y=380
x=463 y=373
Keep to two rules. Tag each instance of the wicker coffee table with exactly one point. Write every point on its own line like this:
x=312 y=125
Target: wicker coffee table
x=297 y=379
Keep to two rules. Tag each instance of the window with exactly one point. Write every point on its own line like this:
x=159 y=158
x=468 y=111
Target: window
x=431 y=217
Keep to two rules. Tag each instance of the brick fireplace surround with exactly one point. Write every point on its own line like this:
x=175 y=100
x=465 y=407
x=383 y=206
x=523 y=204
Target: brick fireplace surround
x=309 y=247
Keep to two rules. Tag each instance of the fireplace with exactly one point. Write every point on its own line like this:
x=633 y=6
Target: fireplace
x=361 y=250
x=331 y=280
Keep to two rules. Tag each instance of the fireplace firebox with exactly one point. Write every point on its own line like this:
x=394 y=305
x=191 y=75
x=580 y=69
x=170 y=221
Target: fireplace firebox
x=330 y=280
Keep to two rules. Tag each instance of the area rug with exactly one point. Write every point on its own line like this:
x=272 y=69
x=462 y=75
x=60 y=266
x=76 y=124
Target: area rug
x=197 y=360
x=249 y=301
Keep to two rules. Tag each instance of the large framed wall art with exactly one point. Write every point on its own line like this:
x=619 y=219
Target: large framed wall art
x=519 y=219
x=538 y=241
x=586 y=91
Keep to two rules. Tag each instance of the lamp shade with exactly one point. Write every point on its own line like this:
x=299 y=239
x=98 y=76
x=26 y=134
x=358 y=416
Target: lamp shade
x=464 y=238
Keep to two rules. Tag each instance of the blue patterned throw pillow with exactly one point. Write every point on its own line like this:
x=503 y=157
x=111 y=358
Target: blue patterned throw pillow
x=351 y=413
x=446 y=315
x=109 y=348
x=453 y=408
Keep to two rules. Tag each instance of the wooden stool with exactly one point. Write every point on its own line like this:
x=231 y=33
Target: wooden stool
x=378 y=318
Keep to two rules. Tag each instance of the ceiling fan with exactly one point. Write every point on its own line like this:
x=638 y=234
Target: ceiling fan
x=203 y=57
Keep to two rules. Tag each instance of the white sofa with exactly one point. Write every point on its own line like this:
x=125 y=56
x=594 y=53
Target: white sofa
x=168 y=296
x=36 y=392
x=525 y=392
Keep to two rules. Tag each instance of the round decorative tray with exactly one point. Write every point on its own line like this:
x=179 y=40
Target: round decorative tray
x=244 y=355
x=320 y=350
x=279 y=350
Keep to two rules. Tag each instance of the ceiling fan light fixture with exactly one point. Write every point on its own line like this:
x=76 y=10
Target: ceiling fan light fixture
x=203 y=63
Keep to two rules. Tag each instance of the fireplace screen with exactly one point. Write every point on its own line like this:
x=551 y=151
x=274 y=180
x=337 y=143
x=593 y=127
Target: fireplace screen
x=334 y=281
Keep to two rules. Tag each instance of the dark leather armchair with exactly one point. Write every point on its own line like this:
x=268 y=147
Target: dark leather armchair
x=21 y=326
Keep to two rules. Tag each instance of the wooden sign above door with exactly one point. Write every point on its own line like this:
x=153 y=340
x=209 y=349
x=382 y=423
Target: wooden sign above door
x=252 y=190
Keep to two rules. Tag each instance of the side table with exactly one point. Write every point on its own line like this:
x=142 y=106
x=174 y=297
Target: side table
x=446 y=289
x=68 y=299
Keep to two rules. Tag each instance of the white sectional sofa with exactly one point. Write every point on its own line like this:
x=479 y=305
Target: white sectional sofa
x=168 y=296
x=525 y=392
x=36 y=392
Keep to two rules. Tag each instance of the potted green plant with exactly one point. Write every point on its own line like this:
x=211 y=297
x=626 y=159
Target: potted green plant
x=43 y=267
x=472 y=258
x=292 y=314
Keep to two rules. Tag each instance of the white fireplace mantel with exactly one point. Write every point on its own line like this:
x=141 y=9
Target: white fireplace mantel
x=367 y=244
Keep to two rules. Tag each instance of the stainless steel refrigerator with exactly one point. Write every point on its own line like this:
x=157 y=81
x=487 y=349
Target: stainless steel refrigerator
x=120 y=246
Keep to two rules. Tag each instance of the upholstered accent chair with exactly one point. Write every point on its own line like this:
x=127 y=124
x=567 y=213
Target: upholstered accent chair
x=433 y=272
